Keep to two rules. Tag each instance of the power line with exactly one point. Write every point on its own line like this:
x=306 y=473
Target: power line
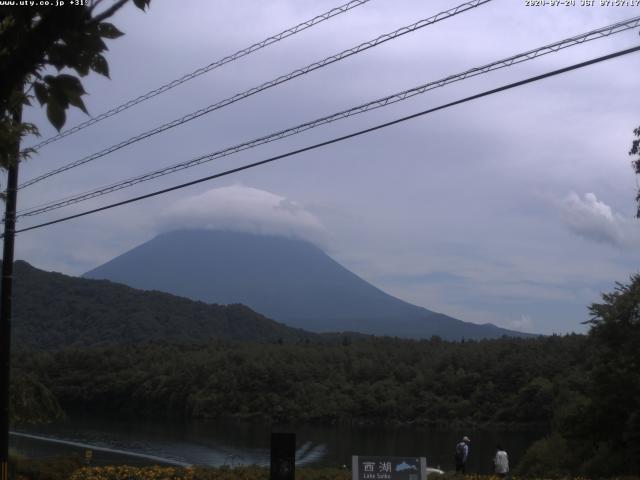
x=396 y=97
x=339 y=139
x=272 y=83
x=212 y=66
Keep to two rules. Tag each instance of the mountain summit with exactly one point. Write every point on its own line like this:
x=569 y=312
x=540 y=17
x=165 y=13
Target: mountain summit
x=289 y=280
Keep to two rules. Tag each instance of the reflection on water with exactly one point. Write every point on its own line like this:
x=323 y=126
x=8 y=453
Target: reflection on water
x=238 y=443
x=84 y=446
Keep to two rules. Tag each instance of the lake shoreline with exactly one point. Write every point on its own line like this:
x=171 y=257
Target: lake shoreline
x=224 y=442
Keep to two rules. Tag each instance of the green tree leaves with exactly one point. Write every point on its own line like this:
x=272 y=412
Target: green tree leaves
x=142 y=4
x=598 y=427
x=99 y=65
x=635 y=151
x=32 y=402
x=615 y=380
x=108 y=30
x=56 y=114
x=57 y=93
x=37 y=38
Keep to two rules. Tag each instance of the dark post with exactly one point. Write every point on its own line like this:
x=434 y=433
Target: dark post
x=5 y=302
x=283 y=456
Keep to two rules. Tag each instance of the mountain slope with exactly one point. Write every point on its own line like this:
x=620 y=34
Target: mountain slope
x=289 y=280
x=53 y=310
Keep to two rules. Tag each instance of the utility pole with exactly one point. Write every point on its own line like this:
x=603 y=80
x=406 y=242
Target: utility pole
x=5 y=299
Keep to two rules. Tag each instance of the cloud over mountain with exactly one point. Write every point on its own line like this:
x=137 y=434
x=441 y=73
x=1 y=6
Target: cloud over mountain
x=243 y=209
x=523 y=324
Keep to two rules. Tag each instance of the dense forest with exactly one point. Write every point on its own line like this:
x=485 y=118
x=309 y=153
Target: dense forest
x=507 y=381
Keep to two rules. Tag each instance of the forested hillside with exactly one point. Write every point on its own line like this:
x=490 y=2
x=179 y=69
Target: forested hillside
x=52 y=310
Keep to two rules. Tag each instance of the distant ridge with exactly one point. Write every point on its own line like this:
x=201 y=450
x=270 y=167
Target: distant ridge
x=52 y=310
x=289 y=280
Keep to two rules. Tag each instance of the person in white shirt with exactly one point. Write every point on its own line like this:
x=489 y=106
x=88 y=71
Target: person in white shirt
x=501 y=462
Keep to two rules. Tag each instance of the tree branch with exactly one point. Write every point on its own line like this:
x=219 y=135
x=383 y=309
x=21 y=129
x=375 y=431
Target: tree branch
x=94 y=4
x=108 y=12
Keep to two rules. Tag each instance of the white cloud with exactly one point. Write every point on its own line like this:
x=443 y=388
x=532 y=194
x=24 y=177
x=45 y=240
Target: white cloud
x=595 y=220
x=524 y=324
x=244 y=209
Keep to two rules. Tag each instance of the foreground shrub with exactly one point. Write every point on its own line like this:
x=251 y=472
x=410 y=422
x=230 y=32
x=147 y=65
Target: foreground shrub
x=123 y=472
x=548 y=457
x=57 y=468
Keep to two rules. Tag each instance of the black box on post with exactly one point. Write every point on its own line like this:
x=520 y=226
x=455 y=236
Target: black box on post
x=283 y=456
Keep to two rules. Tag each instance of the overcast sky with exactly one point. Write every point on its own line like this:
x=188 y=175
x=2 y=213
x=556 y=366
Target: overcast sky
x=516 y=209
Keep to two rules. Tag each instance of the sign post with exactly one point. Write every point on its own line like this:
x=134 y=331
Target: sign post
x=283 y=456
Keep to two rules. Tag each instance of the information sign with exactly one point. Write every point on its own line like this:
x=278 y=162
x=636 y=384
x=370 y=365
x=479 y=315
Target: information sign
x=388 y=468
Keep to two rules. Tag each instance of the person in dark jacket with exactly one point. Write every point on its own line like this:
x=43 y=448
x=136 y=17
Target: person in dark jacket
x=462 y=455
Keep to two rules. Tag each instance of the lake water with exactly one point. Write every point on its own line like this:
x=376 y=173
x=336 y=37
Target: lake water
x=234 y=443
